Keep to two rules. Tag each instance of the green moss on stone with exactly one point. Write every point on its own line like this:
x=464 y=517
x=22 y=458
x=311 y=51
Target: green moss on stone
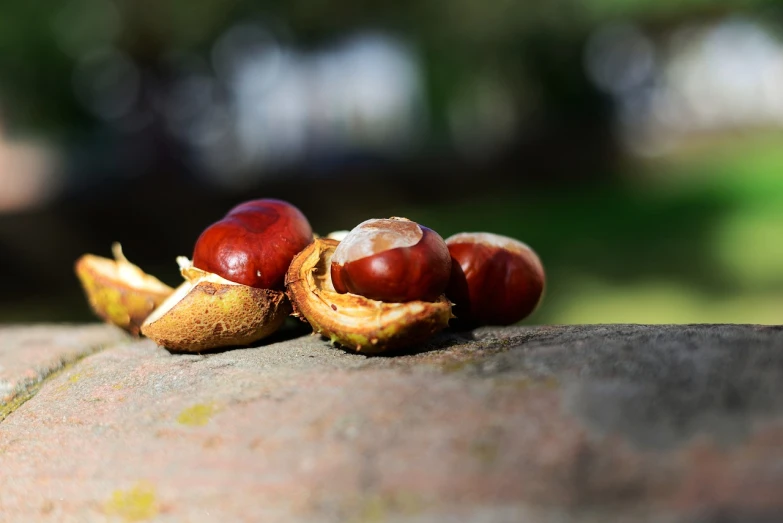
x=485 y=451
x=135 y=504
x=377 y=508
x=197 y=415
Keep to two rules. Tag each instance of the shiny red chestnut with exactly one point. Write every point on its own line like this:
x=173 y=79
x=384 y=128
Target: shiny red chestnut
x=495 y=280
x=392 y=260
x=254 y=244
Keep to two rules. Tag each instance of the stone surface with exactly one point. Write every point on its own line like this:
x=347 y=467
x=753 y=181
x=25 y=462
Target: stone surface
x=29 y=354
x=578 y=423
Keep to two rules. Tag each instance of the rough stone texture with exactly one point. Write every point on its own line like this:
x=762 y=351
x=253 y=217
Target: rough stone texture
x=29 y=354
x=563 y=424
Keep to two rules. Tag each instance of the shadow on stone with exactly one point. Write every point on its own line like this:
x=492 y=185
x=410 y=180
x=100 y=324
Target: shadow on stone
x=440 y=341
x=657 y=384
x=290 y=330
x=741 y=516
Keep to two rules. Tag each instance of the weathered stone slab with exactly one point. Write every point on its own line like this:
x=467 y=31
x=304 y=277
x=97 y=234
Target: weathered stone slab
x=581 y=423
x=29 y=354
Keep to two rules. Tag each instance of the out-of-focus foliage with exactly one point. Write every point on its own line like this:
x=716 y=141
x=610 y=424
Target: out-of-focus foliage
x=40 y=42
x=634 y=143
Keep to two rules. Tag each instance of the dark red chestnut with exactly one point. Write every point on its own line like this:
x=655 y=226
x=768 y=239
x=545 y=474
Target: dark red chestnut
x=495 y=280
x=392 y=260
x=254 y=244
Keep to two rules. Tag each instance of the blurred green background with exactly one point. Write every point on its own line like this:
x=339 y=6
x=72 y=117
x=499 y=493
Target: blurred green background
x=637 y=145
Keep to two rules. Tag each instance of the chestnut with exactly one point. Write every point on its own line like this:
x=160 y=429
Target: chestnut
x=391 y=260
x=254 y=244
x=495 y=280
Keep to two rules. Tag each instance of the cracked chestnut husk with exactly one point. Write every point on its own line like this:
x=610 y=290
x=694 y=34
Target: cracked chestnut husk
x=118 y=291
x=208 y=311
x=356 y=322
x=234 y=289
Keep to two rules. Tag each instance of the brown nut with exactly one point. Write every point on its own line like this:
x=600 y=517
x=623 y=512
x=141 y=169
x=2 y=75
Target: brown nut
x=495 y=280
x=392 y=260
x=254 y=243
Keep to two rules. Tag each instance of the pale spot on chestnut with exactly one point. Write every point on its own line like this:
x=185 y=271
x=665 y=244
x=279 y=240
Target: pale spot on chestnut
x=376 y=235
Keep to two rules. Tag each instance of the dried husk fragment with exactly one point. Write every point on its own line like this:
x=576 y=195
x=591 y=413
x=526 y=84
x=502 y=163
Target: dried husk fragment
x=209 y=312
x=118 y=291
